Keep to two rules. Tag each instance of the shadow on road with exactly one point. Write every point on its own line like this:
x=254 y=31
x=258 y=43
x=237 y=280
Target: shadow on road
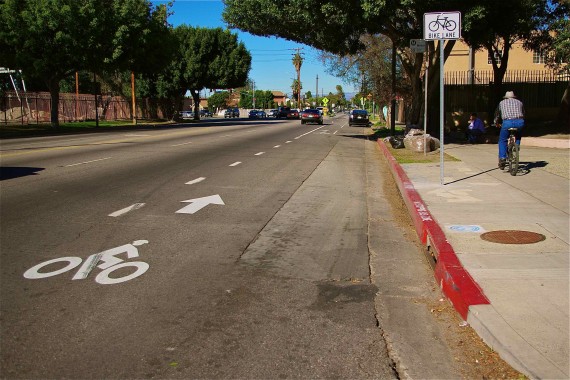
x=16 y=172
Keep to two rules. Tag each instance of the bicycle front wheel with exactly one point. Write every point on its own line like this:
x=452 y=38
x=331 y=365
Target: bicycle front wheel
x=514 y=159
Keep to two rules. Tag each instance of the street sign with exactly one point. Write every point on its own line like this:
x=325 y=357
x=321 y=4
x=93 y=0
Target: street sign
x=442 y=26
x=325 y=101
x=418 y=45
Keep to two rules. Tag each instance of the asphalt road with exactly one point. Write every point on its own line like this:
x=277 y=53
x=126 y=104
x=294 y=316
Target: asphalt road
x=149 y=279
x=194 y=295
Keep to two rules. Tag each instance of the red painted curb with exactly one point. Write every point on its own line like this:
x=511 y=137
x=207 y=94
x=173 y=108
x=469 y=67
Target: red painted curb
x=455 y=282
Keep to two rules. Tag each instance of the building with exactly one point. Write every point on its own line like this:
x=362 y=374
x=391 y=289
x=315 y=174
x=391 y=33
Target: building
x=476 y=66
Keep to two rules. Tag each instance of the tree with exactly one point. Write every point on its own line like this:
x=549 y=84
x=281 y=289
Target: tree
x=297 y=63
x=296 y=87
x=496 y=26
x=210 y=58
x=346 y=22
x=49 y=40
x=218 y=100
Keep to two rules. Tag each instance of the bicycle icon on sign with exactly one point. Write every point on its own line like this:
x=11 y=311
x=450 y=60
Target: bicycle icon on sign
x=442 y=22
x=106 y=260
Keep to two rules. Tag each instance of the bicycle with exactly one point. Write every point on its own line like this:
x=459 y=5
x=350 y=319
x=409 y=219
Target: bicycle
x=513 y=150
x=446 y=24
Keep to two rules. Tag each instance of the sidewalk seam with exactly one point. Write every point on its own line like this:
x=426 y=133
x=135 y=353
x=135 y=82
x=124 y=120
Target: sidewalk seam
x=455 y=282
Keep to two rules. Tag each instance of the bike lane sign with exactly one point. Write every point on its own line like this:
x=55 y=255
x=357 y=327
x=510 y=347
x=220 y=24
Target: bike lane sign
x=442 y=26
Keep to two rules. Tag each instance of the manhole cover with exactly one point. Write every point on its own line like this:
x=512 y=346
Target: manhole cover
x=512 y=237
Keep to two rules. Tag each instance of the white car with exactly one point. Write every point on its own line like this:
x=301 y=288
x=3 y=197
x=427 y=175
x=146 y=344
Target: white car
x=272 y=113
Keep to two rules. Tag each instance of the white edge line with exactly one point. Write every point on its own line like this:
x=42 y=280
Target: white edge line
x=87 y=162
x=127 y=209
x=199 y=179
x=236 y=163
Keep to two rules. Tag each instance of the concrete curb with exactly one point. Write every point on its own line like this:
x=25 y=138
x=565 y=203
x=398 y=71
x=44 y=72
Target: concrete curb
x=455 y=282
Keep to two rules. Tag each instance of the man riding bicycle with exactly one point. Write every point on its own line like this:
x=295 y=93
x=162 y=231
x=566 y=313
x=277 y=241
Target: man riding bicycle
x=509 y=114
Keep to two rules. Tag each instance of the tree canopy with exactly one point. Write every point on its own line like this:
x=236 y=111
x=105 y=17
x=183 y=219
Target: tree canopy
x=342 y=25
x=209 y=58
x=50 y=39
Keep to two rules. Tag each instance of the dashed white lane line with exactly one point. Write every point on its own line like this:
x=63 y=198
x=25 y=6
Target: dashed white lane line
x=200 y=179
x=236 y=163
x=304 y=134
x=277 y=146
x=287 y=142
x=87 y=162
x=136 y=206
x=260 y=153
x=186 y=143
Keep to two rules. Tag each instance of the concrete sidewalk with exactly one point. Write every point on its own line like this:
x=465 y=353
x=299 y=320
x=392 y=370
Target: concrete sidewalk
x=516 y=296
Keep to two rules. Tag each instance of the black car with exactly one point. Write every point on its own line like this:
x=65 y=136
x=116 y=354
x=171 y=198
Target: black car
x=231 y=112
x=205 y=113
x=358 y=117
x=282 y=112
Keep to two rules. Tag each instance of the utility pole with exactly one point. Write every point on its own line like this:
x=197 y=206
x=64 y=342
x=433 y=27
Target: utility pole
x=253 y=97
x=393 y=104
x=317 y=95
x=133 y=97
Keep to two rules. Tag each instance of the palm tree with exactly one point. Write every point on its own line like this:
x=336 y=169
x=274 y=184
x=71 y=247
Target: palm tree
x=296 y=86
x=297 y=62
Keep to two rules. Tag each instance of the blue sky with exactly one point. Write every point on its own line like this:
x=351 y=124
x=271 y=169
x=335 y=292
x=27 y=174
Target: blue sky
x=271 y=66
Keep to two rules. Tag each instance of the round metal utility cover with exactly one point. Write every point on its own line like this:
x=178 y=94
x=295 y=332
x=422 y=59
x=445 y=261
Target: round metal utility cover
x=512 y=237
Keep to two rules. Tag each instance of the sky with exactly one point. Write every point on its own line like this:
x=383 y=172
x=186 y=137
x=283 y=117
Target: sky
x=271 y=66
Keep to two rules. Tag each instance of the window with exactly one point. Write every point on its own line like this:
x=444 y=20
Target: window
x=538 y=57
x=498 y=56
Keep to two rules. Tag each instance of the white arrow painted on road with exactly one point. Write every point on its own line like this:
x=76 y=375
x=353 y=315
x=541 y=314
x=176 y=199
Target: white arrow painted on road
x=199 y=203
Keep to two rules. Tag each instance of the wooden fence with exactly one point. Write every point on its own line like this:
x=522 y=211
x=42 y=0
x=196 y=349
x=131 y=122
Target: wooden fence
x=35 y=108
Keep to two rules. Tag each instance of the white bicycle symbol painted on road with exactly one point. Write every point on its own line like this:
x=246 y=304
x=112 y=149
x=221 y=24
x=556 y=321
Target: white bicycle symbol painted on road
x=106 y=260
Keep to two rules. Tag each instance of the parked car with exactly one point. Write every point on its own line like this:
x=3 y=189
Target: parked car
x=358 y=117
x=311 y=116
x=261 y=114
x=272 y=113
x=293 y=114
x=253 y=114
x=186 y=115
x=282 y=112
x=231 y=112
x=205 y=113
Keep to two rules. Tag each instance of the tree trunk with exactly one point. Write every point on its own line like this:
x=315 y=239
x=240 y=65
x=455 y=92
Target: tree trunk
x=53 y=86
x=196 y=98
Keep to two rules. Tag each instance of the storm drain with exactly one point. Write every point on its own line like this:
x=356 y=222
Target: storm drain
x=512 y=237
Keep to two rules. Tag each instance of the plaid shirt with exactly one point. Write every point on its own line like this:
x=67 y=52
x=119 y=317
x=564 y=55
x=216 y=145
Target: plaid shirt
x=511 y=109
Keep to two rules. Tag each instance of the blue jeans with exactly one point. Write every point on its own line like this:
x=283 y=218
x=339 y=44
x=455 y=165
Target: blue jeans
x=504 y=135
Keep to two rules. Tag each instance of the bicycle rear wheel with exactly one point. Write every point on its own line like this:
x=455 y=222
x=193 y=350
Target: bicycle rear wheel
x=514 y=159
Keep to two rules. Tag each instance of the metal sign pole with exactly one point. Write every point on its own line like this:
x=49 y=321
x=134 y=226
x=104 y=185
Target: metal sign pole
x=442 y=26
x=426 y=102
x=441 y=111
